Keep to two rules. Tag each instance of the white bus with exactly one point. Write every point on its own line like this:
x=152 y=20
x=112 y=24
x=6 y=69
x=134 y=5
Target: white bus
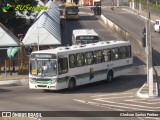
x=67 y=67
x=84 y=36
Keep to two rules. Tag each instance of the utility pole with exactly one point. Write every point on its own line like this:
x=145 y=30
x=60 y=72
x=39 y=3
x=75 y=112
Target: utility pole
x=140 y=6
x=117 y=3
x=133 y=4
x=149 y=54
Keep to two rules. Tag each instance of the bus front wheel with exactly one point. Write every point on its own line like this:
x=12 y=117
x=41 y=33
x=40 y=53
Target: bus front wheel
x=110 y=76
x=71 y=84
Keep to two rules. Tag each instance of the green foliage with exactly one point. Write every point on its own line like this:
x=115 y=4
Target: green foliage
x=9 y=18
x=154 y=6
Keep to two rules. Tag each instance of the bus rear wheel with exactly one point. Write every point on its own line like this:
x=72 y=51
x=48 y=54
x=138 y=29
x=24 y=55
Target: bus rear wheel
x=71 y=84
x=110 y=76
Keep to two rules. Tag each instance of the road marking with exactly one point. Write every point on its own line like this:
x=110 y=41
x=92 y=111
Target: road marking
x=81 y=101
x=140 y=102
x=110 y=94
x=97 y=104
x=116 y=97
x=127 y=105
x=110 y=106
x=154 y=100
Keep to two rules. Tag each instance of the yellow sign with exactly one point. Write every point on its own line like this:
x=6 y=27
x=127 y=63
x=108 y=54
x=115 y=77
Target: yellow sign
x=34 y=72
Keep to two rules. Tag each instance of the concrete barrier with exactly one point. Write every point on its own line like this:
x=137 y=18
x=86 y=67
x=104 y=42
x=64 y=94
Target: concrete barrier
x=124 y=35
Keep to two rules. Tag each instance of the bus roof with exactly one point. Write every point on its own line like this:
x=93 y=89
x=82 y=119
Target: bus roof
x=84 y=32
x=82 y=48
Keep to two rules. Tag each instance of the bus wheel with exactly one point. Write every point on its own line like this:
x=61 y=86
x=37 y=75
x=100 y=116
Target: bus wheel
x=71 y=84
x=110 y=76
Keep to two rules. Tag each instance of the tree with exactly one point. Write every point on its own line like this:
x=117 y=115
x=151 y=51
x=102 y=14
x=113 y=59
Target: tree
x=10 y=19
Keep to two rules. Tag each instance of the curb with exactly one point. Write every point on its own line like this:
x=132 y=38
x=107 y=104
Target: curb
x=139 y=94
x=145 y=95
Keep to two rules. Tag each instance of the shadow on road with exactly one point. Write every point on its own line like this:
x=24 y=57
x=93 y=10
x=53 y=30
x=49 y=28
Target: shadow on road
x=156 y=57
x=119 y=84
x=137 y=61
x=4 y=90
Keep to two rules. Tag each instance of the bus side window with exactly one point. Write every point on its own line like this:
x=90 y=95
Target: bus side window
x=106 y=55
x=79 y=59
x=89 y=59
x=123 y=52
x=114 y=54
x=129 y=53
x=98 y=56
x=62 y=65
x=72 y=61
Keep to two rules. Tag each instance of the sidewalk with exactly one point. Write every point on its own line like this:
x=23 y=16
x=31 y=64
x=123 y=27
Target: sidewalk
x=14 y=79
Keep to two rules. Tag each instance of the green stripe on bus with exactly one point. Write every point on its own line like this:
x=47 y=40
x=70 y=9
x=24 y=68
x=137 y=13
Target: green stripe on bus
x=100 y=72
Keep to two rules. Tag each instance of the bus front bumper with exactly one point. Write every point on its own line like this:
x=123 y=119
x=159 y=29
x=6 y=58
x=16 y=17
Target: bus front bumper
x=42 y=86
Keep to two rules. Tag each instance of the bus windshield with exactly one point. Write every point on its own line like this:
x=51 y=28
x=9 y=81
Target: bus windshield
x=72 y=11
x=43 y=67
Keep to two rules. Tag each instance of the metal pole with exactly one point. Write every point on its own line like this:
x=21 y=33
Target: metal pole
x=117 y=3
x=130 y=4
x=133 y=4
x=140 y=6
x=146 y=25
x=38 y=40
x=5 y=68
x=38 y=37
x=149 y=44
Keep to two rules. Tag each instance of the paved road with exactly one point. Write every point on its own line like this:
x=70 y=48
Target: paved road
x=86 y=22
x=120 y=95
x=134 y=25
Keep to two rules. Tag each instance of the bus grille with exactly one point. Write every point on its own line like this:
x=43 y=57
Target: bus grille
x=41 y=85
